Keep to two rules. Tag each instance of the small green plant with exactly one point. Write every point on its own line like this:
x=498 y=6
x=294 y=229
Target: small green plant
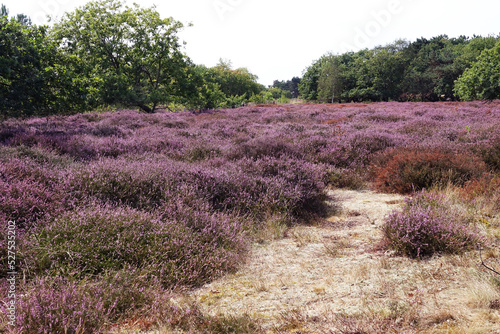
x=467 y=129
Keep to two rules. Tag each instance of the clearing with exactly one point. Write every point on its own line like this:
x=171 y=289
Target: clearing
x=336 y=278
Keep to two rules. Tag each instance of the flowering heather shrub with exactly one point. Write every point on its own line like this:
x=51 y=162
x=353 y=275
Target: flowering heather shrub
x=29 y=193
x=405 y=170
x=136 y=184
x=97 y=240
x=169 y=197
x=491 y=153
x=38 y=156
x=61 y=306
x=265 y=147
x=427 y=225
x=305 y=182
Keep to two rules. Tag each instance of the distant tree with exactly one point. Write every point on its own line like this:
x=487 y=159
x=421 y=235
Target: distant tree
x=291 y=86
x=4 y=11
x=236 y=82
x=204 y=93
x=330 y=82
x=308 y=86
x=133 y=55
x=482 y=80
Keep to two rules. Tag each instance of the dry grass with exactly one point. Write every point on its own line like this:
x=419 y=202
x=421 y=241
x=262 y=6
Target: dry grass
x=337 y=278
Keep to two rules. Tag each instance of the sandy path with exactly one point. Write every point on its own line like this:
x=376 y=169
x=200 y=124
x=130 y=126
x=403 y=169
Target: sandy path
x=315 y=270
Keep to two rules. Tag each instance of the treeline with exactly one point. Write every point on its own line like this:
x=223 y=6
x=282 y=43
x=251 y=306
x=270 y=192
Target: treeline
x=440 y=68
x=108 y=54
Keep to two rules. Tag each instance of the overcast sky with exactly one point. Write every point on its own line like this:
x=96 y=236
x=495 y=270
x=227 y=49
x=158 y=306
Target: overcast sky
x=278 y=39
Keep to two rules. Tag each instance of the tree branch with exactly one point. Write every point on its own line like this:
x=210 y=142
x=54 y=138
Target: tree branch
x=484 y=264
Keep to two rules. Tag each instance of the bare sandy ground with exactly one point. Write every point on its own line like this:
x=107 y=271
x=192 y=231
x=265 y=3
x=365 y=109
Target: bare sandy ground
x=320 y=279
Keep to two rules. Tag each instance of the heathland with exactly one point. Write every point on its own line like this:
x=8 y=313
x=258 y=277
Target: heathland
x=123 y=218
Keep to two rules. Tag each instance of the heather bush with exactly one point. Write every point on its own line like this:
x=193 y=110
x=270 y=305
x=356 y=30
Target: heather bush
x=305 y=182
x=405 y=170
x=29 y=193
x=138 y=184
x=265 y=146
x=491 y=152
x=36 y=155
x=96 y=240
x=60 y=305
x=428 y=225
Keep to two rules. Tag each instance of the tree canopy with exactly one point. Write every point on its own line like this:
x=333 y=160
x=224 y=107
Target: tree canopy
x=482 y=80
x=134 y=55
x=423 y=70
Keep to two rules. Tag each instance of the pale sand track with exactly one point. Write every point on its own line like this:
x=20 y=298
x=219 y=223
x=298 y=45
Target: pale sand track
x=318 y=272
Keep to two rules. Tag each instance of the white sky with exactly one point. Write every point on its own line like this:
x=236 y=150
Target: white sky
x=278 y=39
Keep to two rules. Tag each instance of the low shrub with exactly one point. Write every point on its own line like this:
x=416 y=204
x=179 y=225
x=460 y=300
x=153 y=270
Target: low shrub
x=183 y=250
x=54 y=305
x=485 y=189
x=491 y=153
x=265 y=147
x=60 y=305
x=427 y=225
x=29 y=193
x=405 y=170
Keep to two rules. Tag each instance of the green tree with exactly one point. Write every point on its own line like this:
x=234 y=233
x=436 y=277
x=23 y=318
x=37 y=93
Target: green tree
x=330 y=79
x=236 y=82
x=482 y=80
x=291 y=86
x=204 y=92
x=308 y=86
x=35 y=79
x=131 y=54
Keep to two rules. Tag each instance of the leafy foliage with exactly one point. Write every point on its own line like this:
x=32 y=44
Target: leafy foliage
x=423 y=70
x=35 y=78
x=482 y=80
x=134 y=54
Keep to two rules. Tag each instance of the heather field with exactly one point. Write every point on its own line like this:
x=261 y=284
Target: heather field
x=117 y=214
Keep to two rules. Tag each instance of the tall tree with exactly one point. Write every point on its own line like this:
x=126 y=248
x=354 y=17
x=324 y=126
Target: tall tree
x=482 y=80
x=34 y=78
x=135 y=54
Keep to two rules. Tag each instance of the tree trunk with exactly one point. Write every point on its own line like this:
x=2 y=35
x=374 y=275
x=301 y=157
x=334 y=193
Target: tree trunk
x=145 y=108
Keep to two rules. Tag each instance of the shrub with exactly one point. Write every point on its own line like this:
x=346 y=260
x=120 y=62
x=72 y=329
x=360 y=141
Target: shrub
x=185 y=250
x=136 y=184
x=427 y=225
x=485 y=189
x=265 y=147
x=58 y=306
x=29 y=193
x=405 y=170
x=491 y=153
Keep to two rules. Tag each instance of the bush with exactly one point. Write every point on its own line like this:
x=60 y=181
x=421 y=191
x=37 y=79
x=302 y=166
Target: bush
x=427 y=225
x=29 y=193
x=58 y=306
x=405 y=170
x=491 y=153
x=189 y=249
x=486 y=190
